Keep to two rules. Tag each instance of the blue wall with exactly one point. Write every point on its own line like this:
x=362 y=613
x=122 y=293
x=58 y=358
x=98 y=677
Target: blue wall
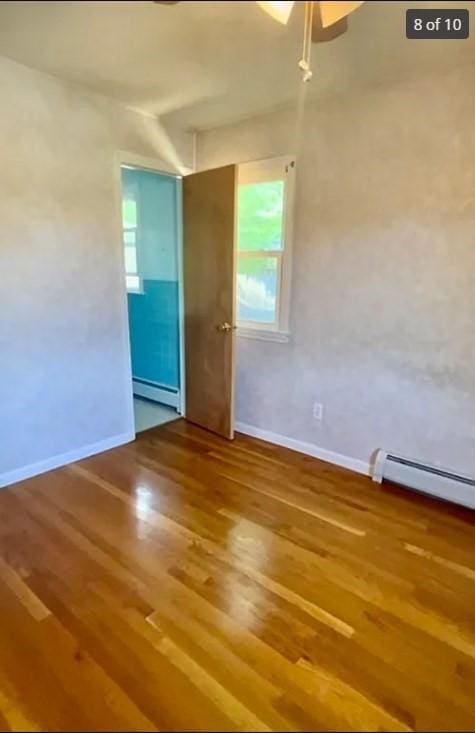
x=153 y=313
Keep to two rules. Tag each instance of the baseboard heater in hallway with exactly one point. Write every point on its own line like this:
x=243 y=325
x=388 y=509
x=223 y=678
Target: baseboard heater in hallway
x=425 y=478
x=158 y=392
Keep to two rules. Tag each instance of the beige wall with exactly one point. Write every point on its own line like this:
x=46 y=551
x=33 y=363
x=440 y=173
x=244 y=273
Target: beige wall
x=64 y=375
x=383 y=298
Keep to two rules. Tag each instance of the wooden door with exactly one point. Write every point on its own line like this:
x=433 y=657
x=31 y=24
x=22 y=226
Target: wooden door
x=209 y=211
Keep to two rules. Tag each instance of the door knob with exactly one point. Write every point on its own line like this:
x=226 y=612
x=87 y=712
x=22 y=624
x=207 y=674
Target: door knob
x=225 y=327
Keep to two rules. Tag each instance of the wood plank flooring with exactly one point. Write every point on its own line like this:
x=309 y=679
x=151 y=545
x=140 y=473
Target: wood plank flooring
x=184 y=582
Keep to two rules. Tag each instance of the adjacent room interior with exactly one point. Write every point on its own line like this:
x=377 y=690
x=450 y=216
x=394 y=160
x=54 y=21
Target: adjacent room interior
x=237 y=361
x=152 y=221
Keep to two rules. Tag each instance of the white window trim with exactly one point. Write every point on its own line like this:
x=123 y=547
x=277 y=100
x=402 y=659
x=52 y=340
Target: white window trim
x=263 y=334
x=263 y=170
x=134 y=291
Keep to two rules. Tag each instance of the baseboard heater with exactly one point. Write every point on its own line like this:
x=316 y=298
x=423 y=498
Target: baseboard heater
x=424 y=478
x=157 y=392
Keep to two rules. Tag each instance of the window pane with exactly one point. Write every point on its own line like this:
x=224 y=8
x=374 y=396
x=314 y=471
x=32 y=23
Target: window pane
x=260 y=215
x=131 y=260
x=129 y=213
x=129 y=238
x=257 y=289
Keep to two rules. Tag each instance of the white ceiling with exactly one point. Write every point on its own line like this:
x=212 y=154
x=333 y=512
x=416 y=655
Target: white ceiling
x=202 y=64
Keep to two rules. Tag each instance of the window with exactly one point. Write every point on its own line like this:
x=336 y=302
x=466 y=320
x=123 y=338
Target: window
x=265 y=196
x=129 y=225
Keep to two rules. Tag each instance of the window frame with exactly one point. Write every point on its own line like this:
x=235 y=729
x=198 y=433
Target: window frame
x=260 y=171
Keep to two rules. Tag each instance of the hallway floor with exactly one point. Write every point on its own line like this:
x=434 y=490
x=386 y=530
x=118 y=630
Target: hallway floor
x=149 y=414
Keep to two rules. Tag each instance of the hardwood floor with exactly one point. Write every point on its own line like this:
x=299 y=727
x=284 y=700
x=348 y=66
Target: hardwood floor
x=184 y=582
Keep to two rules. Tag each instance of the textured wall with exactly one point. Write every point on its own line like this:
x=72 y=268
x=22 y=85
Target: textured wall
x=383 y=298
x=63 y=347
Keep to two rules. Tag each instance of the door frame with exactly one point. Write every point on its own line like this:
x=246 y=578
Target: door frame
x=156 y=165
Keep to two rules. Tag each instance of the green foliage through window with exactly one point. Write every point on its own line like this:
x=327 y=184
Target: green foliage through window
x=260 y=207
x=129 y=213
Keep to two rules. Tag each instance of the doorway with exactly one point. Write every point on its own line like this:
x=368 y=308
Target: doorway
x=178 y=238
x=151 y=231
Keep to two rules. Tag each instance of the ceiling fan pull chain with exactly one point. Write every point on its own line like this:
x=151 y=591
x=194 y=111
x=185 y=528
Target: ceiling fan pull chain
x=304 y=63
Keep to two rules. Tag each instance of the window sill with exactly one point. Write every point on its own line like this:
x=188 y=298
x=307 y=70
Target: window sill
x=259 y=334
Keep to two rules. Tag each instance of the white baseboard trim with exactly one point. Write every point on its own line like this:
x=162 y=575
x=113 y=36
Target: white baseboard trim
x=353 y=464
x=34 y=469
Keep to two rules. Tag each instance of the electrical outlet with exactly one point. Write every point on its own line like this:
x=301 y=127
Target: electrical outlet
x=317 y=411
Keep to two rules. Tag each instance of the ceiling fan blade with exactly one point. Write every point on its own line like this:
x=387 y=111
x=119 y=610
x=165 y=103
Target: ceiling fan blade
x=332 y=12
x=279 y=10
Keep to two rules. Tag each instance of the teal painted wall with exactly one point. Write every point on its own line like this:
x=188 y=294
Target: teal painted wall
x=153 y=313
